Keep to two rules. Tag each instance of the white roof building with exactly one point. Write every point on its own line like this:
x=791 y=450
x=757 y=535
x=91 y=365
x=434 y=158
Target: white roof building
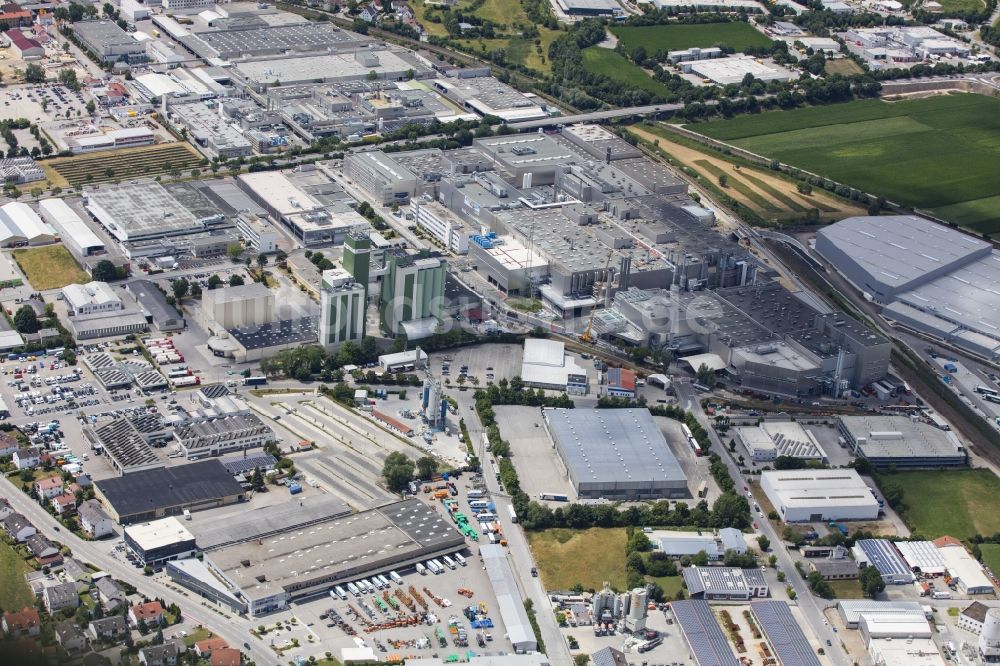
x=546 y=365
x=961 y=566
x=819 y=494
x=83 y=299
x=73 y=231
x=20 y=224
x=922 y=556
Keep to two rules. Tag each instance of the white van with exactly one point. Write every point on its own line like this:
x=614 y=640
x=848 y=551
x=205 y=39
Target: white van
x=421 y=569
x=385 y=582
x=353 y=589
x=460 y=559
x=340 y=593
x=396 y=578
x=438 y=568
x=448 y=562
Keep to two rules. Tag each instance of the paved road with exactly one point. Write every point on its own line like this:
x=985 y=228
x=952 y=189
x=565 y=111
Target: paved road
x=594 y=116
x=235 y=630
x=807 y=603
x=517 y=544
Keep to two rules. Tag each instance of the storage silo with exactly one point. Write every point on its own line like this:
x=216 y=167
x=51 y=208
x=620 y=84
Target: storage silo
x=989 y=639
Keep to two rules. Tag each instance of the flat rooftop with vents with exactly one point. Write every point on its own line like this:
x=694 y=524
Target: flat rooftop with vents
x=901 y=442
x=616 y=454
x=819 y=494
x=273 y=570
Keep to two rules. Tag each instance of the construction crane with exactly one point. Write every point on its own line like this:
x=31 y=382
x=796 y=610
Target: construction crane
x=588 y=335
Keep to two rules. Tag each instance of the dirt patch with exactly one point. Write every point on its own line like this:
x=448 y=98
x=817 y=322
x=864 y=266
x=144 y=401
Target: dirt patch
x=761 y=191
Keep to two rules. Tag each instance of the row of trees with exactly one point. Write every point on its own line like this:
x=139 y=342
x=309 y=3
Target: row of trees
x=399 y=469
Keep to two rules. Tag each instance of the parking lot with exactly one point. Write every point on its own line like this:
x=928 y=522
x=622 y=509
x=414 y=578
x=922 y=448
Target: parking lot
x=42 y=103
x=538 y=465
x=421 y=639
x=484 y=362
x=52 y=401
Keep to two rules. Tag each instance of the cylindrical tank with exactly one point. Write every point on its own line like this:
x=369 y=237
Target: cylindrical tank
x=637 y=604
x=990 y=637
x=622 y=605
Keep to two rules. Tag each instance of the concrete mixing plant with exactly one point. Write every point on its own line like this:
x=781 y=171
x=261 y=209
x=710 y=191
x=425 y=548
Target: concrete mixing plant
x=433 y=404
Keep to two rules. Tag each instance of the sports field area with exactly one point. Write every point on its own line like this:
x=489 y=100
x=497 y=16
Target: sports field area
x=958 y=503
x=612 y=64
x=938 y=153
x=49 y=267
x=653 y=38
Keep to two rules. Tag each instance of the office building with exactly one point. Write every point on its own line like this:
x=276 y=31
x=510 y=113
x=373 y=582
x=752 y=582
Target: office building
x=216 y=435
x=105 y=39
x=725 y=583
x=343 y=308
x=257 y=233
x=412 y=295
x=545 y=364
x=91 y=298
x=441 y=224
x=155 y=542
x=819 y=495
x=615 y=454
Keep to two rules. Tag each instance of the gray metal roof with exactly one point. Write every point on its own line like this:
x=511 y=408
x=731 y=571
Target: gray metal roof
x=618 y=447
x=784 y=634
x=512 y=612
x=703 y=634
x=883 y=556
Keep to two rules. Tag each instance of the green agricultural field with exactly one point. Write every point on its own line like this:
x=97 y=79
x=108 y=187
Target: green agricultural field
x=991 y=556
x=653 y=38
x=958 y=503
x=938 y=154
x=609 y=63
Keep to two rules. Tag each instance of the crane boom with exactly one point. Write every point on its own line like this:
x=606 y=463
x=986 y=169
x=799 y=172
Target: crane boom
x=588 y=334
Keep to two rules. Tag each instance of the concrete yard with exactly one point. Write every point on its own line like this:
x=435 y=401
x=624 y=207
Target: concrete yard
x=538 y=465
x=502 y=361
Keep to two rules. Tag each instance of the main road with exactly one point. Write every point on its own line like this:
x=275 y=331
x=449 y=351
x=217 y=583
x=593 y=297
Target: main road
x=595 y=116
x=688 y=398
x=235 y=630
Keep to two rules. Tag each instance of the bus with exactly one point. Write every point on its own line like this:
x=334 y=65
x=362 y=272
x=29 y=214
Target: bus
x=554 y=497
x=512 y=513
x=686 y=430
x=701 y=387
x=992 y=397
x=695 y=446
x=986 y=391
x=254 y=381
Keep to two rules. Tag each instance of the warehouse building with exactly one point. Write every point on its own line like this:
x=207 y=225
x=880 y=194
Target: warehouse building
x=506 y=263
x=772 y=439
x=20 y=225
x=90 y=298
x=73 y=231
x=882 y=554
x=207 y=127
x=476 y=90
x=263 y=40
x=388 y=64
x=929 y=277
x=851 y=610
x=901 y=442
x=109 y=42
x=900 y=625
x=194 y=575
x=255 y=343
x=707 y=645
x=160 y=314
x=167 y=491
x=545 y=364
x=332 y=552
x=615 y=454
x=813 y=495
x=921 y=557
x=128 y=442
x=725 y=583
x=783 y=634
x=967 y=573
x=590 y=7
x=156 y=542
x=509 y=599
x=24 y=47
x=141 y=211
x=679 y=544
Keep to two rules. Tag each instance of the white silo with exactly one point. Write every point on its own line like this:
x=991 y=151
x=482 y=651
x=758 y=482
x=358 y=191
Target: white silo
x=636 y=618
x=989 y=639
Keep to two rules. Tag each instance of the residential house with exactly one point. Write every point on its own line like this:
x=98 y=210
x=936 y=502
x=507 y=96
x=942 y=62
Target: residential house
x=150 y=612
x=18 y=527
x=226 y=656
x=46 y=552
x=5 y=508
x=159 y=655
x=94 y=520
x=205 y=648
x=49 y=488
x=111 y=629
x=111 y=595
x=368 y=13
x=58 y=597
x=8 y=445
x=84 y=480
x=64 y=504
x=609 y=657
x=70 y=637
x=27 y=458
x=26 y=622
x=77 y=571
